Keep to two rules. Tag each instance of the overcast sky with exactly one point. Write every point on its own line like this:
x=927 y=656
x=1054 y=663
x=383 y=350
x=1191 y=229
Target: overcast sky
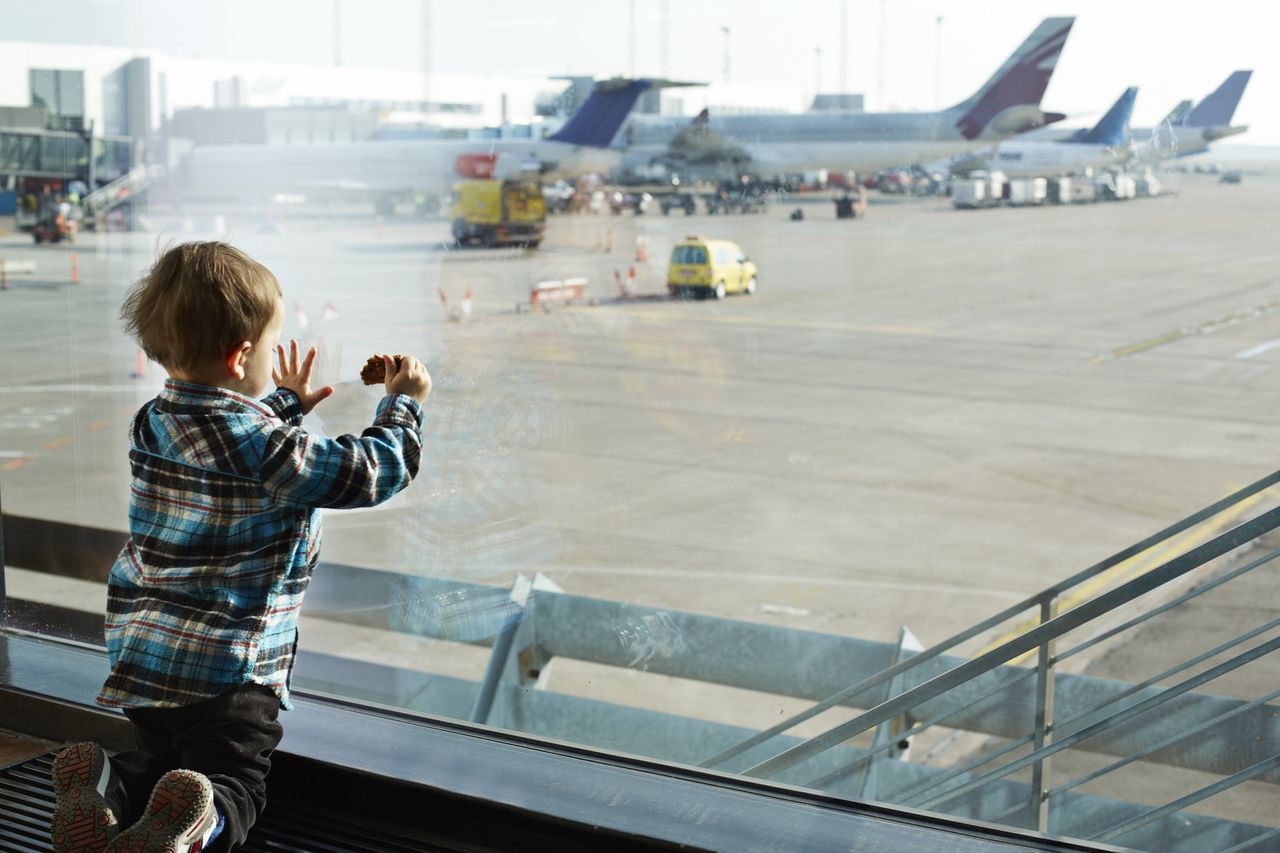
x=1172 y=51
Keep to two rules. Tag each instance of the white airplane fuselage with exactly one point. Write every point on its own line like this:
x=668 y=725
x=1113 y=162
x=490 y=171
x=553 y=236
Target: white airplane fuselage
x=418 y=166
x=1018 y=159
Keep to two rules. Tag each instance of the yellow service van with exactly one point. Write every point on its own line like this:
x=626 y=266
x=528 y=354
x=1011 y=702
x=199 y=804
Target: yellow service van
x=710 y=267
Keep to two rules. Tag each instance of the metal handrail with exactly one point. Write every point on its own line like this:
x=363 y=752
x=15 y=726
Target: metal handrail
x=1173 y=670
x=1017 y=646
x=917 y=729
x=912 y=793
x=1162 y=744
x=1168 y=605
x=1251 y=842
x=1189 y=800
x=1110 y=722
x=914 y=796
x=842 y=697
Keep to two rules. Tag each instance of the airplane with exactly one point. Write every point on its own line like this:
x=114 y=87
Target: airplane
x=1186 y=130
x=1104 y=145
x=1007 y=104
x=390 y=169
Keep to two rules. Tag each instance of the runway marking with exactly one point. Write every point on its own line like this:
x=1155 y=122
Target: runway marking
x=72 y=389
x=743 y=320
x=60 y=441
x=94 y=426
x=14 y=464
x=922 y=586
x=11 y=454
x=1259 y=349
x=1203 y=328
x=1139 y=564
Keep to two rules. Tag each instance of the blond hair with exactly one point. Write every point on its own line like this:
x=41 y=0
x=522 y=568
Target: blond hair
x=197 y=302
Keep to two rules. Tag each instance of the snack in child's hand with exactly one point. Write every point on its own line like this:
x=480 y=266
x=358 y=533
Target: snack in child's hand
x=375 y=370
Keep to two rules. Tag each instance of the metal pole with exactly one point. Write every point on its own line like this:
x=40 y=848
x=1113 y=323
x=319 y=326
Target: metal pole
x=937 y=65
x=725 y=30
x=337 y=32
x=883 y=51
x=844 y=47
x=666 y=39
x=493 y=673
x=1044 y=719
x=631 y=41
x=817 y=72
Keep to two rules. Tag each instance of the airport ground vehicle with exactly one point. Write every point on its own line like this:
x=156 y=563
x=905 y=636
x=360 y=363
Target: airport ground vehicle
x=851 y=204
x=54 y=222
x=499 y=213
x=710 y=267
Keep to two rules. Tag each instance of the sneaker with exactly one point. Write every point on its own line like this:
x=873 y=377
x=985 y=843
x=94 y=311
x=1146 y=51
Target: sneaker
x=179 y=818
x=90 y=798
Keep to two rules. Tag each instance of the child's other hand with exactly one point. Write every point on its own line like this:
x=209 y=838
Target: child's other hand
x=412 y=377
x=297 y=376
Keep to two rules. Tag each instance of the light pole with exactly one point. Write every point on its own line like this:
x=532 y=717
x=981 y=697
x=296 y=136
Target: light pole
x=817 y=72
x=725 y=30
x=844 y=47
x=937 y=65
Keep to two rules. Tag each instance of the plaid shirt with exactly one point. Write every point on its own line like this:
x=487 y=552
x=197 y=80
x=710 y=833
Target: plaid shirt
x=225 y=531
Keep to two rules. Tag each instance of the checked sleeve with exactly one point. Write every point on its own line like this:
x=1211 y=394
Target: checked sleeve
x=310 y=471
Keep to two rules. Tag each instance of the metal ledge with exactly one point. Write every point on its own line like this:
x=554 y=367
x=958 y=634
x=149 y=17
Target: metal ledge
x=514 y=790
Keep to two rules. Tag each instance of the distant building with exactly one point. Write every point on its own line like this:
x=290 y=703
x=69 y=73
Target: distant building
x=273 y=125
x=24 y=118
x=845 y=102
x=228 y=93
x=126 y=100
x=61 y=92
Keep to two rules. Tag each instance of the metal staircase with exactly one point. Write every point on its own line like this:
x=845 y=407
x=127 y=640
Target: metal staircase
x=127 y=188
x=1169 y=719
x=1017 y=720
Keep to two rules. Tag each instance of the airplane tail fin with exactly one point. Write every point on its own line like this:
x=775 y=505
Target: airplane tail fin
x=1217 y=109
x=1010 y=101
x=1176 y=114
x=601 y=115
x=1113 y=128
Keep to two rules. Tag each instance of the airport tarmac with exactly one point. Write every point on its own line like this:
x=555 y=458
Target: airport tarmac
x=920 y=418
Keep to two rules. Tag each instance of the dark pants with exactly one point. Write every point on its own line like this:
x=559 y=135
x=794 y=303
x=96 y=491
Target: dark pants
x=228 y=738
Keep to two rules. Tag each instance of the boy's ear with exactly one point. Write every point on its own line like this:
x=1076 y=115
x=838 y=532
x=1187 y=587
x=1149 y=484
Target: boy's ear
x=236 y=359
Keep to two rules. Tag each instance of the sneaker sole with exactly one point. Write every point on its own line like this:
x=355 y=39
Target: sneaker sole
x=82 y=819
x=178 y=815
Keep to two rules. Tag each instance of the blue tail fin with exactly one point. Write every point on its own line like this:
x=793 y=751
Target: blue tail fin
x=1177 y=114
x=1217 y=109
x=1113 y=128
x=597 y=121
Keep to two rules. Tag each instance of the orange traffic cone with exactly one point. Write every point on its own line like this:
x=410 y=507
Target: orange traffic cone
x=75 y=268
x=466 y=303
x=139 y=364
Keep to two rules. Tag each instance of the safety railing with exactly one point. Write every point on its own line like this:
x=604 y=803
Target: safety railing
x=1026 y=698
x=1151 y=719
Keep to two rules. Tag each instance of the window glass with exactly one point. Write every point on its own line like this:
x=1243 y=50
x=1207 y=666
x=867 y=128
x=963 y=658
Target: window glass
x=1005 y=317
x=689 y=255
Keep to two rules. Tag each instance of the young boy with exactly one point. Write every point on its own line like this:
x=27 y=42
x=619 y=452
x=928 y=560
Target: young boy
x=202 y=603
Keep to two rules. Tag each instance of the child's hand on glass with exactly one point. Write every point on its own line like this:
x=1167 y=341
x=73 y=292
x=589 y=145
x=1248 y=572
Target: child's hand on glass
x=296 y=376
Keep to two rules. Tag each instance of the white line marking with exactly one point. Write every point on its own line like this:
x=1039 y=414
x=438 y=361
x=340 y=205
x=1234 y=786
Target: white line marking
x=11 y=454
x=73 y=389
x=1259 y=349
x=905 y=586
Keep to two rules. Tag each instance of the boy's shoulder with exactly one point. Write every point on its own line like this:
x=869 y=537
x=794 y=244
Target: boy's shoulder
x=225 y=438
